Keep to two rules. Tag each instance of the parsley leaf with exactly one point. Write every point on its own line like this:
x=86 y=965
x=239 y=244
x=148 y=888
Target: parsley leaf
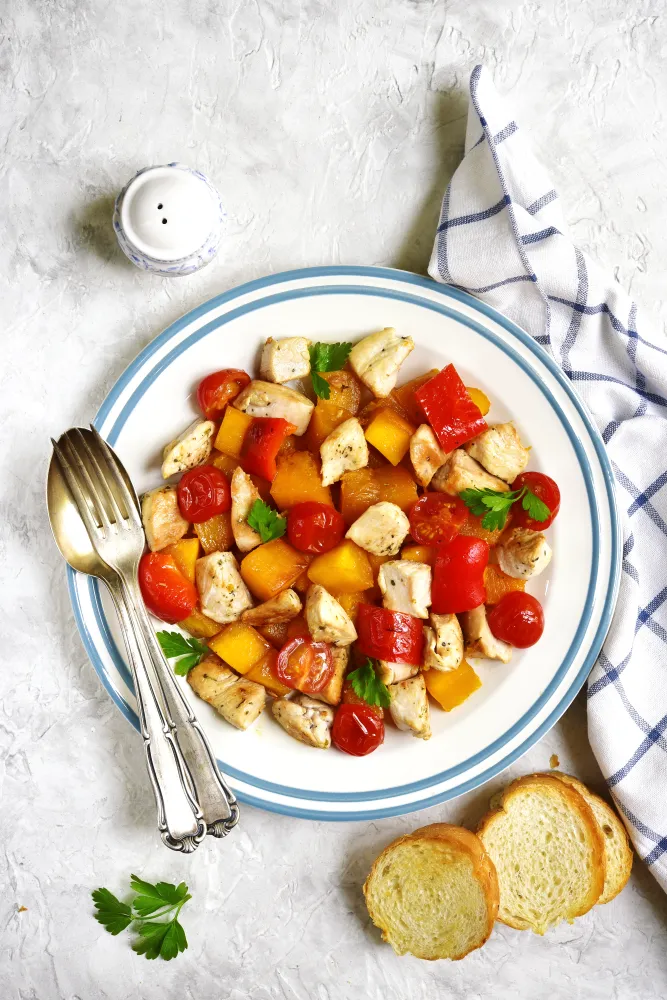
x=188 y=652
x=266 y=521
x=367 y=685
x=326 y=358
x=495 y=505
x=536 y=508
x=157 y=938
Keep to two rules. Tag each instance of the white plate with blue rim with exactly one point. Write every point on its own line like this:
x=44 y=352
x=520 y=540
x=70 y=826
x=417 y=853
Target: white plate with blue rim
x=518 y=702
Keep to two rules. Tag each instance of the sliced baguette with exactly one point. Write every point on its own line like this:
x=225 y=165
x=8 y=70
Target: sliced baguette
x=548 y=851
x=434 y=893
x=618 y=853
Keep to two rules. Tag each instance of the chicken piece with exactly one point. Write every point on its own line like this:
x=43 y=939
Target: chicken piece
x=162 y=518
x=283 y=608
x=406 y=587
x=223 y=596
x=461 y=472
x=480 y=640
x=334 y=689
x=244 y=493
x=443 y=643
x=391 y=673
x=524 y=553
x=381 y=529
x=409 y=707
x=327 y=620
x=306 y=719
x=237 y=700
x=190 y=449
x=500 y=451
x=285 y=359
x=426 y=454
x=344 y=450
x=266 y=399
x=376 y=359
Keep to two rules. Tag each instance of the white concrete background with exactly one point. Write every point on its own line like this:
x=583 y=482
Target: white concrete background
x=330 y=127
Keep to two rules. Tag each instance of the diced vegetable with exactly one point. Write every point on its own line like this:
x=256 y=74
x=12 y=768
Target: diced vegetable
x=166 y=592
x=185 y=553
x=263 y=672
x=298 y=626
x=390 y=433
x=261 y=444
x=389 y=635
x=474 y=528
x=344 y=390
x=305 y=665
x=345 y=569
x=497 y=584
x=225 y=463
x=325 y=419
x=350 y=602
x=405 y=401
x=232 y=431
x=480 y=399
x=275 y=632
x=365 y=487
x=458 y=576
x=240 y=646
x=270 y=568
x=449 y=409
x=451 y=688
x=436 y=518
x=200 y=625
x=216 y=534
x=419 y=553
x=298 y=480
x=302 y=583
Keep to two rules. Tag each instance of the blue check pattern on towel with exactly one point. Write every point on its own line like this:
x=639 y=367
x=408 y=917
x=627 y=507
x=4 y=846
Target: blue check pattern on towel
x=502 y=237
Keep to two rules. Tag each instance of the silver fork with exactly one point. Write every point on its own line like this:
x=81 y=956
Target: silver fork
x=193 y=799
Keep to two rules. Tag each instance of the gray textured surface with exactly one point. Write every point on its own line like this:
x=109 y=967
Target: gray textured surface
x=330 y=128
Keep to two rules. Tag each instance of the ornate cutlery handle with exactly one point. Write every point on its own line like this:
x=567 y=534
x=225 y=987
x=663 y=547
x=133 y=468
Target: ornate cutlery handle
x=180 y=819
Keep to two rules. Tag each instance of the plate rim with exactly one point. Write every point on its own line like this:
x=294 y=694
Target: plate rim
x=448 y=293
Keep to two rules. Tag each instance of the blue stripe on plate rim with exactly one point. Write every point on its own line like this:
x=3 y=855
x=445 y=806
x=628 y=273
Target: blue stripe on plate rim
x=446 y=292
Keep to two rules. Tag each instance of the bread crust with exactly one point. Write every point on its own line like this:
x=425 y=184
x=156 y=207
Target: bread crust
x=576 y=802
x=484 y=871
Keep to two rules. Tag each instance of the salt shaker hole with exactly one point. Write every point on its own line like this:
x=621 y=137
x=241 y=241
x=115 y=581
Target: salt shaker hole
x=160 y=206
x=164 y=222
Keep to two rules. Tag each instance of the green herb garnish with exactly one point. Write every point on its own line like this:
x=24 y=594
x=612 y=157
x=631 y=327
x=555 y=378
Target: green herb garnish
x=367 y=685
x=495 y=505
x=266 y=521
x=187 y=652
x=157 y=938
x=326 y=358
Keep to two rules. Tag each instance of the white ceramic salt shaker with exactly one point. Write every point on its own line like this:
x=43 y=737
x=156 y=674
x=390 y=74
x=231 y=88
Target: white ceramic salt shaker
x=169 y=219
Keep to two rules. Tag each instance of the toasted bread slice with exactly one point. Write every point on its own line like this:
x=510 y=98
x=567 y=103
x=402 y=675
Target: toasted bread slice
x=618 y=853
x=434 y=893
x=548 y=851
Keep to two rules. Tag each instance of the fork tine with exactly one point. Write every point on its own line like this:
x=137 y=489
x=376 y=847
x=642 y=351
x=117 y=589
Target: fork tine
x=104 y=488
x=77 y=492
x=114 y=467
x=84 y=475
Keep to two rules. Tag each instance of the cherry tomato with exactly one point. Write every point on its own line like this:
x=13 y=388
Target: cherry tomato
x=166 y=592
x=203 y=493
x=458 y=575
x=357 y=729
x=517 y=618
x=435 y=519
x=220 y=388
x=314 y=527
x=305 y=664
x=546 y=490
x=389 y=635
x=262 y=442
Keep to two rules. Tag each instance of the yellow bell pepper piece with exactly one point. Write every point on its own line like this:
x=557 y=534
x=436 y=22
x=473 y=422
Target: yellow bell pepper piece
x=272 y=567
x=480 y=399
x=390 y=433
x=240 y=645
x=263 y=672
x=216 y=534
x=232 y=432
x=419 y=553
x=345 y=569
x=298 y=480
x=185 y=553
x=451 y=688
x=200 y=625
x=225 y=463
x=350 y=602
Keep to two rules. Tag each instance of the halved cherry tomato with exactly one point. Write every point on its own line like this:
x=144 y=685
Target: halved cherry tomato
x=518 y=619
x=203 y=493
x=220 y=388
x=546 y=490
x=314 y=527
x=389 y=635
x=305 y=664
x=357 y=730
x=261 y=444
x=436 y=518
x=458 y=576
x=166 y=592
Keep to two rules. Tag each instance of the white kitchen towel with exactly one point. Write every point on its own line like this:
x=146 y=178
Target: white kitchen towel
x=502 y=237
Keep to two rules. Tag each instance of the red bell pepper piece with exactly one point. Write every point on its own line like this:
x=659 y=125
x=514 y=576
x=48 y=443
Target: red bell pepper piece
x=449 y=409
x=262 y=443
x=389 y=635
x=458 y=575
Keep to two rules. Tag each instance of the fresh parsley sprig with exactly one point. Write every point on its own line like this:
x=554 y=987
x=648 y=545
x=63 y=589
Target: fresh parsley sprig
x=495 y=506
x=326 y=358
x=157 y=938
x=266 y=521
x=367 y=685
x=187 y=652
